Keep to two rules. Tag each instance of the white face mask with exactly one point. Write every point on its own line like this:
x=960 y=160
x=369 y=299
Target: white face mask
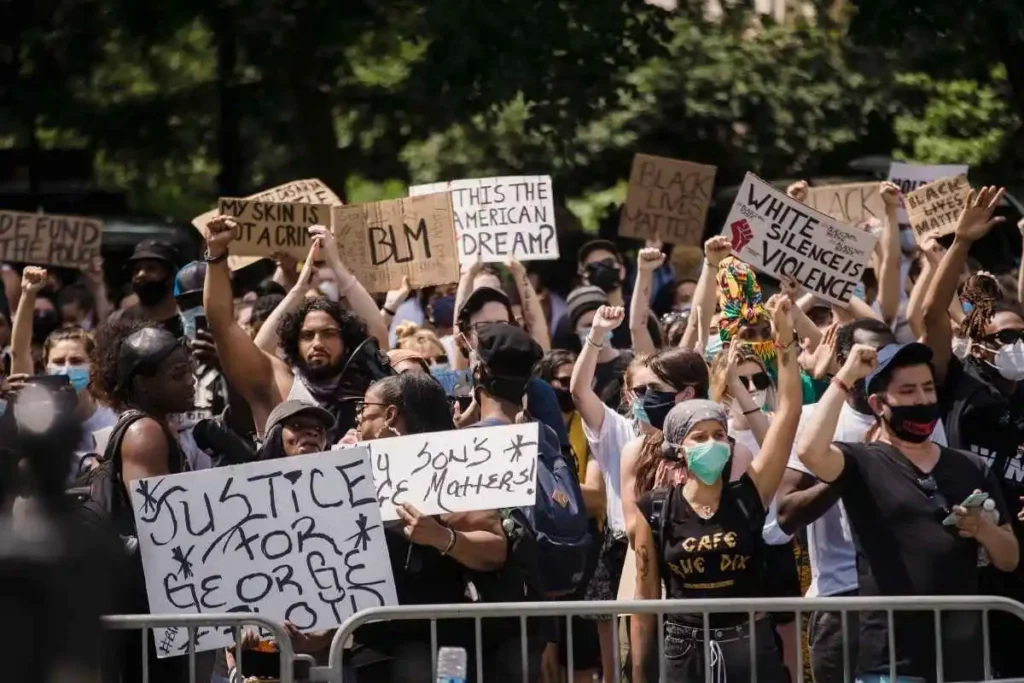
x=961 y=346
x=329 y=289
x=1009 y=361
x=760 y=398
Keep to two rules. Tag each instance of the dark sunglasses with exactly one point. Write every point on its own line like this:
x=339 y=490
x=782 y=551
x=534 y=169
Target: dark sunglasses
x=759 y=381
x=1004 y=337
x=931 y=489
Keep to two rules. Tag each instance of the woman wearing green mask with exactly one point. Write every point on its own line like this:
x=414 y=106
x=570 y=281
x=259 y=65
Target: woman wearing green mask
x=704 y=536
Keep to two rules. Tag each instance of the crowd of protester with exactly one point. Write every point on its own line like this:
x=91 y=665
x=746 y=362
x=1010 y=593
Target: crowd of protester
x=699 y=439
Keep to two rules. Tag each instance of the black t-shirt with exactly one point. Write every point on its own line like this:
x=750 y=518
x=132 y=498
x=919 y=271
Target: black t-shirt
x=718 y=557
x=608 y=379
x=895 y=516
x=172 y=324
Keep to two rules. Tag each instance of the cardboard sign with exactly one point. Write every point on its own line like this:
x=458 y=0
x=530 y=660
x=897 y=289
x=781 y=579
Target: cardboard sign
x=909 y=177
x=667 y=200
x=309 y=191
x=297 y=539
x=49 y=239
x=780 y=236
x=498 y=218
x=382 y=241
x=934 y=209
x=268 y=228
x=849 y=204
x=468 y=469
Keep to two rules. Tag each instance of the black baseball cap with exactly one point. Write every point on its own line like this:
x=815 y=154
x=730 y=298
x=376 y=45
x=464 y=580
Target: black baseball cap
x=895 y=356
x=594 y=245
x=475 y=302
x=143 y=351
x=507 y=350
x=190 y=279
x=157 y=250
x=292 y=407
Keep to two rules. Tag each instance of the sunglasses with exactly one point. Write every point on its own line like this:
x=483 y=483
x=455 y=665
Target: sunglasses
x=931 y=489
x=361 y=406
x=1004 y=337
x=759 y=381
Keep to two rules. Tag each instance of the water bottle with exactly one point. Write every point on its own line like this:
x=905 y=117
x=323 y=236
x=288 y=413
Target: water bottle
x=451 y=665
x=988 y=510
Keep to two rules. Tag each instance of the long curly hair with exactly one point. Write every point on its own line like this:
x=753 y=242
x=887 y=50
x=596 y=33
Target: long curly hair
x=981 y=291
x=352 y=329
x=104 y=377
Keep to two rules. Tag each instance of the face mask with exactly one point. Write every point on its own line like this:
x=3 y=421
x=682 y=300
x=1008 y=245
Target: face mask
x=585 y=334
x=78 y=375
x=151 y=293
x=188 y=320
x=603 y=275
x=860 y=291
x=907 y=241
x=713 y=347
x=1009 y=361
x=913 y=423
x=707 y=460
x=960 y=347
x=656 y=406
x=443 y=311
x=329 y=290
x=760 y=398
x=565 y=402
x=967 y=307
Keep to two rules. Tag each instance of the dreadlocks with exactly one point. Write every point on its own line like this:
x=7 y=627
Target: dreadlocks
x=980 y=291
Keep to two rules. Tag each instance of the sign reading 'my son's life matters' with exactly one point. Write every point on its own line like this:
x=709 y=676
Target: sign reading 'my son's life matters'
x=297 y=539
x=499 y=218
x=780 y=236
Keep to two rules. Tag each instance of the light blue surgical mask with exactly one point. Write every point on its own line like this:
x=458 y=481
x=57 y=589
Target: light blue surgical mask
x=712 y=348
x=860 y=291
x=78 y=375
x=967 y=307
x=638 y=412
x=188 y=320
x=707 y=460
x=585 y=334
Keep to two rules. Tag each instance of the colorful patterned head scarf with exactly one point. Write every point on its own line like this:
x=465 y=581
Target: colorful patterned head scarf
x=739 y=298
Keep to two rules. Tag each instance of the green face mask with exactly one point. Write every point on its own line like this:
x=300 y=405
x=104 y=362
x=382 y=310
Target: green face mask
x=707 y=460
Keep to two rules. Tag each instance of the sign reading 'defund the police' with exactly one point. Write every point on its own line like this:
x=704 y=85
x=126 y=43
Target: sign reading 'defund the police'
x=780 y=236
x=297 y=539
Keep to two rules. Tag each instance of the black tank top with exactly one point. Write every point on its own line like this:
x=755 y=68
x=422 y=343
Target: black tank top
x=718 y=557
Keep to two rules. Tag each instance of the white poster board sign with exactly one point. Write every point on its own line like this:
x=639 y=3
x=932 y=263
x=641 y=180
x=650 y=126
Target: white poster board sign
x=780 y=236
x=484 y=468
x=909 y=177
x=297 y=539
x=498 y=218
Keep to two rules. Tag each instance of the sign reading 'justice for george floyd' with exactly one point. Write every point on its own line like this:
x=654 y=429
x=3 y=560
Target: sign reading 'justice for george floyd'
x=268 y=228
x=499 y=218
x=780 y=236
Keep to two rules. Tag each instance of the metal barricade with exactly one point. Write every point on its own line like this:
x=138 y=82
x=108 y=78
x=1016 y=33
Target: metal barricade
x=145 y=622
x=751 y=607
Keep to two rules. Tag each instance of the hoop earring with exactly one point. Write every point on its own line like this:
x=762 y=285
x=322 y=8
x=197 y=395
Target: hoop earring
x=394 y=432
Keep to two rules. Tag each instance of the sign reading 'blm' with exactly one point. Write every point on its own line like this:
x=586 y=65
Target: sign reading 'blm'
x=469 y=469
x=667 y=200
x=780 y=236
x=52 y=240
x=268 y=228
x=297 y=539
x=934 y=209
x=498 y=218
x=381 y=242
x=848 y=204
x=309 y=191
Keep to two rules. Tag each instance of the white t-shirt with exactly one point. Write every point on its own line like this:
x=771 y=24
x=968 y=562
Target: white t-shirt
x=771 y=534
x=830 y=545
x=101 y=418
x=606 y=448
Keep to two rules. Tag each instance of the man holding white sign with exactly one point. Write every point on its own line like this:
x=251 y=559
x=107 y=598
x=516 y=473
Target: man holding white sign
x=782 y=237
x=501 y=218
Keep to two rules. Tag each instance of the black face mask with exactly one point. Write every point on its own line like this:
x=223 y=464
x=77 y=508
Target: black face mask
x=603 y=275
x=151 y=292
x=914 y=424
x=565 y=402
x=656 y=405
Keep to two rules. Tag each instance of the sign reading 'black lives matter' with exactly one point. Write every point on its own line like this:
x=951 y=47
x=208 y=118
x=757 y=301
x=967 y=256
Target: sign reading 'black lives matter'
x=780 y=236
x=298 y=539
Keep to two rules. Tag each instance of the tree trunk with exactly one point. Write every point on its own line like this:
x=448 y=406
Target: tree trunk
x=229 y=143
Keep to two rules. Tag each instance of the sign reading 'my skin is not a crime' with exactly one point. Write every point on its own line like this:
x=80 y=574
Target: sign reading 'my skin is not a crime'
x=780 y=236
x=268 y=228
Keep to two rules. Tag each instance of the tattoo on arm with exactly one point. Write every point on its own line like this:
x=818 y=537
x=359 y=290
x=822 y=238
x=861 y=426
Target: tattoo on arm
x=643 y=561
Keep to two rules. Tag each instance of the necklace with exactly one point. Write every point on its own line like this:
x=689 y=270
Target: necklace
x=703 y=511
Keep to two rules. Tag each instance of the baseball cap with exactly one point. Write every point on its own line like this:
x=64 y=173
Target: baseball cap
x=475 y=302
x=293 y=407
x=895 y=356
x=157 y=250
x=507 y=350
x=583 y=300
x=594 y=245
x=190 y=279
x=144 y=350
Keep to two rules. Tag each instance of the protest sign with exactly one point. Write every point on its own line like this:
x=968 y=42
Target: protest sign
x=381 y=242
x=934 y=209
x=468 y=469
x=268 y=228
x=309 y=191
x=498 y=218
x=297 y=539
x=52 y=240
x=909 y=177
x=780 y=236
x=667 y=200
x=849 y=204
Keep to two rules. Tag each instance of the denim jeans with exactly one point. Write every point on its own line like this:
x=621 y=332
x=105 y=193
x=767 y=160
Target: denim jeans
x=730 y=654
